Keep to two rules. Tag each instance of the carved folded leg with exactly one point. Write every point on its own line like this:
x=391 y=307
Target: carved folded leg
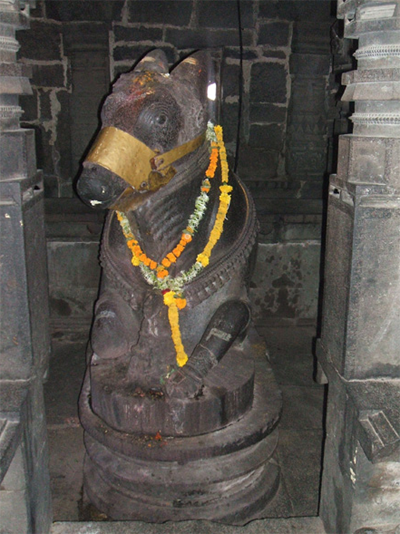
x=115 y=327
x=228 y=323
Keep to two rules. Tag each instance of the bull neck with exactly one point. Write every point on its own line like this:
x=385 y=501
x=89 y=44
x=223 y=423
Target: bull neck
x=159 y=221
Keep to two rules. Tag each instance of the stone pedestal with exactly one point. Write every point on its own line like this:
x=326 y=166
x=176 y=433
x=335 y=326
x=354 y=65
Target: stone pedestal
x=223 y=471
x=360 y=340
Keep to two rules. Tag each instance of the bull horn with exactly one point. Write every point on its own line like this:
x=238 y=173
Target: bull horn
x=155 y=61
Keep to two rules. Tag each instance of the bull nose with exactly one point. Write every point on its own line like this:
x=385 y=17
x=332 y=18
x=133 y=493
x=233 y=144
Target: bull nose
x=98 y=187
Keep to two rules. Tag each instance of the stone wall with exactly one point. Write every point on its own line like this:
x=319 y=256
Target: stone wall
x=76 y=49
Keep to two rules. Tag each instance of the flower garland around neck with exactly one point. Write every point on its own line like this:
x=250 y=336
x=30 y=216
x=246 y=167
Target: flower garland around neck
x=157 y=274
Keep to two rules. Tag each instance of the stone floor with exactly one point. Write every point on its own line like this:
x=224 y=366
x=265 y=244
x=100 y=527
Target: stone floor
x=299 y=449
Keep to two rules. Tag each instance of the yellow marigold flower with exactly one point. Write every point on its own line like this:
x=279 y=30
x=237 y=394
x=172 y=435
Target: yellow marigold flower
x=181 y=358
x=135 y=261
x=225 y=188
x=169 y=298
x=203 y=259
x=218 y=130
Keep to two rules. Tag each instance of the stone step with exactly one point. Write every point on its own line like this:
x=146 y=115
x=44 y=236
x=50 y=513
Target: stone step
x=298 y=525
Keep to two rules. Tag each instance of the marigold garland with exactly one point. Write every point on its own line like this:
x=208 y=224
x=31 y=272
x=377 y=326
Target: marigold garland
x=157 y=274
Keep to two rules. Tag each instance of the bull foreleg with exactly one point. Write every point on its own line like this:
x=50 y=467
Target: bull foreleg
x=228 y=323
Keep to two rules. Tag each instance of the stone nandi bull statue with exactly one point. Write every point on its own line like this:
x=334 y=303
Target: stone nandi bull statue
x=169 y=359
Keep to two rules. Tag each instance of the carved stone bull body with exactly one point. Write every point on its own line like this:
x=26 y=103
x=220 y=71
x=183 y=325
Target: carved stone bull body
x=133 y=383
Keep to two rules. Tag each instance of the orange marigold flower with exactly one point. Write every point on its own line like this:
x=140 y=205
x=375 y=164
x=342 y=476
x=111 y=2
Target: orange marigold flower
x=177 y=252
x=162 y=274
x=166 y=262
x=186 y=238
x=153 y=265
x=171 y=257
x=181 y=303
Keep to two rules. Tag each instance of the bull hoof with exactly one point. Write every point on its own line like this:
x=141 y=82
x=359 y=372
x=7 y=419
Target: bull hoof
x=181 y=385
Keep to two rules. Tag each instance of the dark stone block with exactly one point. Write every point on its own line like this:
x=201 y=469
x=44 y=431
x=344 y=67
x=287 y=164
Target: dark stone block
x=44 y=152
x=93 y=10
x=274 y=33
x=263 y=112
x=310 y=65
x=45 y=105
x=188 y=38
x=122 y=33
x=312 y=37
x=224 y=14
x=85 y=34
x=42 y=41
x=134 y=53
x=316 y=10
x=308 y=100
x=50 y=186
x=30 y=106
x=268 y=83
x=229 y=121
x=234 y=53
x=257 y=163
x=63 y=143
x=177 y=13
x=48 y=76
x=267 y=136
x=230 y=80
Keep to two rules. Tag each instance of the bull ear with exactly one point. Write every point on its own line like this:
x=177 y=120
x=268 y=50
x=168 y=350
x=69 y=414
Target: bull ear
x=155 y=61
x=194 y=72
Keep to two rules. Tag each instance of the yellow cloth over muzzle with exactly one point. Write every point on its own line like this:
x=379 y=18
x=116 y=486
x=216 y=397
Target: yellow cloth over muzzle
x=133 y=161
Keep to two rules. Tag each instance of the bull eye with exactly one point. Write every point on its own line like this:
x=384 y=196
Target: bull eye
x=161 y=119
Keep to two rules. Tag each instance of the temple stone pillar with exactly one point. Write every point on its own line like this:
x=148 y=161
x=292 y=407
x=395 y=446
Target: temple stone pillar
x=25 y=503
x=360 y=341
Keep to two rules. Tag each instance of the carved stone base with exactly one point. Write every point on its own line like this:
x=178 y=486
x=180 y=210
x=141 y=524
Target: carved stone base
x=226 y=475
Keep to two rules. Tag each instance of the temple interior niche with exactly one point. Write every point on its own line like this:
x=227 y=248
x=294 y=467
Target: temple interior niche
x=279 y=88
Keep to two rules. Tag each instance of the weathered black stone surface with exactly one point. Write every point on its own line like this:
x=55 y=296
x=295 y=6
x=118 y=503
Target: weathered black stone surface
x=42 y=42
x=274 y=34
x=48 y=75
x=197 y=38
x=66 y=11
x=267 y=136
x=200 y=470
x=133 y=34
x=275 y=88
x=159 y=12
x=216 y=14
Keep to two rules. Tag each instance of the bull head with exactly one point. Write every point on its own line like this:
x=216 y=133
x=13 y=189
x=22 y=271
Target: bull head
x=150 y=121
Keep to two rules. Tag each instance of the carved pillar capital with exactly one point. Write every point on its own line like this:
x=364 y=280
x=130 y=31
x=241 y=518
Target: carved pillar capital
x=14 y=78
